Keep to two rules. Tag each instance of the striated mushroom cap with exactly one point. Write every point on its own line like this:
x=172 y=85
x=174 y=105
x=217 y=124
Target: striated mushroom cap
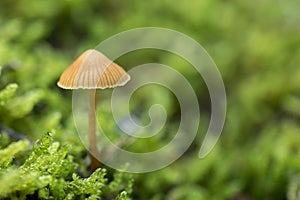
x=93 y=70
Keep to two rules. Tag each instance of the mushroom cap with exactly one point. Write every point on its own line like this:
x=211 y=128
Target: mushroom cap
x=93 y=70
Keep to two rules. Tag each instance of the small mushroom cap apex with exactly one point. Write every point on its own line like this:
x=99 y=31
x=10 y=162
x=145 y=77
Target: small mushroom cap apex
x=93 y=70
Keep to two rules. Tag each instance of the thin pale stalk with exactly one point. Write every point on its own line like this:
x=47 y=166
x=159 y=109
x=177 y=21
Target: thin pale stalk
x=94 y=154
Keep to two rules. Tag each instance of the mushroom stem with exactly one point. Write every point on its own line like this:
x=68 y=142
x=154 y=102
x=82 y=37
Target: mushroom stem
x=93 y=150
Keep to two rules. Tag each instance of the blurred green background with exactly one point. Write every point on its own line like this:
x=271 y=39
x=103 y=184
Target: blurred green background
x=255 y=44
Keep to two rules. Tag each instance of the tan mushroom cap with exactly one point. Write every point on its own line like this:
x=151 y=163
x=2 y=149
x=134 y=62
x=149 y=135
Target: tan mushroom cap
x=93 y=70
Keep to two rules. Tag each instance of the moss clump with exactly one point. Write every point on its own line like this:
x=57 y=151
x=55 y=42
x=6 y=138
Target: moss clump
x=49 y=172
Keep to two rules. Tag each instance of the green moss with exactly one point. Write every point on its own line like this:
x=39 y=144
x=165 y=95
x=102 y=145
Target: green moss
x=7 y=92
x=50 y=172
x=7 y=154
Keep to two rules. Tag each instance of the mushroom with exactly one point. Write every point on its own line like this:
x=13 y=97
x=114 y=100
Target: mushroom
x=92 y=70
